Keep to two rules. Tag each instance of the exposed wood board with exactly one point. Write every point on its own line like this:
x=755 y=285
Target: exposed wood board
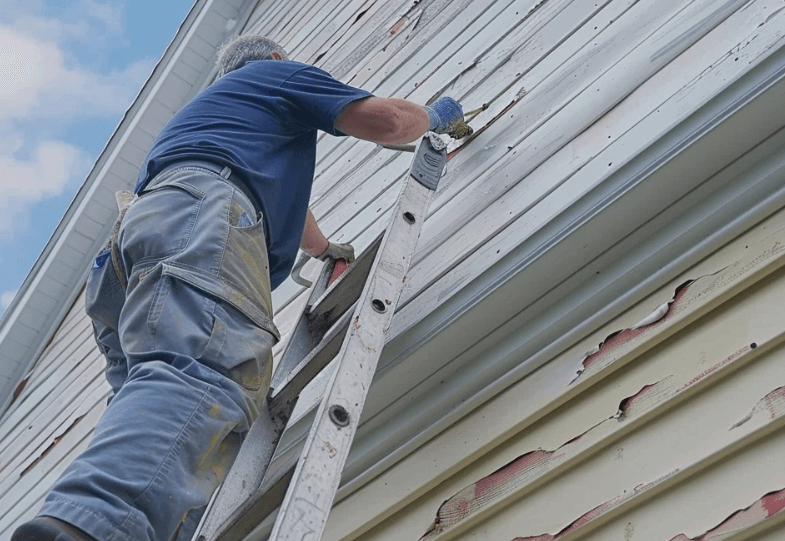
x=390 y=491
x=316 y=30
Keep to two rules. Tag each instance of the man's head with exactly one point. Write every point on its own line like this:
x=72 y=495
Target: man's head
x=236 y=52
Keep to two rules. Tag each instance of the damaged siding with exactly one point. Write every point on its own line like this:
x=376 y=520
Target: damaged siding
x=671 y=429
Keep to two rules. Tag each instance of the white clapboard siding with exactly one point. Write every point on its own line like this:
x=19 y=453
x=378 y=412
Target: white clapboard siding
x=457 y=202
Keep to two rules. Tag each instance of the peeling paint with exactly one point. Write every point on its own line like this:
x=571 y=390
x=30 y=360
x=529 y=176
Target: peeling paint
x=598 y=511
x=397 y=26
x=768 y=506
x=521 y=472
x=19 y=389
x=773 y=404
x=55 y=441
x=478 y=131
x=624 y=336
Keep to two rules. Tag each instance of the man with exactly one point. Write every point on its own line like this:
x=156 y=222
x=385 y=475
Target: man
x=180 y=300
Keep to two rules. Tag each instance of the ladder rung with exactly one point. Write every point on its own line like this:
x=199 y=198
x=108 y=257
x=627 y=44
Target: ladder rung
x=345 y=291
x=283 y=396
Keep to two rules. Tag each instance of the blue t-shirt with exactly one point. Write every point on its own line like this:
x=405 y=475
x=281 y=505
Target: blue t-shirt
x=261 y=121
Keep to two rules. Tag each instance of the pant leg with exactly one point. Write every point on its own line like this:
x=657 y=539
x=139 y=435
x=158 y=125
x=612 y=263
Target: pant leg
x=196 y=333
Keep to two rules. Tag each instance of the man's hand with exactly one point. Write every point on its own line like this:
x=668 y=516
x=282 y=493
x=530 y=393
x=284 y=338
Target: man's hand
x=444 y=114
x=338 y=251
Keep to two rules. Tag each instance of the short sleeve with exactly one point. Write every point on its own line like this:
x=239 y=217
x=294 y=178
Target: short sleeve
x=317 y=98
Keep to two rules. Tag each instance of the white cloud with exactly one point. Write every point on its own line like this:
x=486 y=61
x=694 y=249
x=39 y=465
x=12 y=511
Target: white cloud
x=38 y=82
x=46 y=173
x=45 y=88
x=5 y=299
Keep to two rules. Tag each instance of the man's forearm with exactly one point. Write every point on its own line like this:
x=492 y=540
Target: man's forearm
x=314 y=242
x=383 y=120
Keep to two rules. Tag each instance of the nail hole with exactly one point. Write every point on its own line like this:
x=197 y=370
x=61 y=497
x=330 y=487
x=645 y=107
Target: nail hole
x=753 y=345
x=378 y=305
x=409 y=217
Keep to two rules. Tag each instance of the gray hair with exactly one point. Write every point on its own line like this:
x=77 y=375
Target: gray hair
x=236 y=52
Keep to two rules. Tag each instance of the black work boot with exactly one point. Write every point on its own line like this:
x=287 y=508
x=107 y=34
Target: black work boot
x=49 y=529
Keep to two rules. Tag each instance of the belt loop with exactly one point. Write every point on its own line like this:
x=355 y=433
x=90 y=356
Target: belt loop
x=226 y=173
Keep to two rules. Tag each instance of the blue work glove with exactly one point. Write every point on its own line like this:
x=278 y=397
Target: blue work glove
x=443 y=114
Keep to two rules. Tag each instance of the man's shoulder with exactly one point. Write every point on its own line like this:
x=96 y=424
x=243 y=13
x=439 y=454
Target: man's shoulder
x=283 y=69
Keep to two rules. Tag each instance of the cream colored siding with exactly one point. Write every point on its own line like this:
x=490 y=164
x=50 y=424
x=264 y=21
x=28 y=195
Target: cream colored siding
x=665 y=428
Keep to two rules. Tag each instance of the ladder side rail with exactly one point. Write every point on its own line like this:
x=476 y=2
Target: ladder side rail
x=250 y=465
x=303 y=514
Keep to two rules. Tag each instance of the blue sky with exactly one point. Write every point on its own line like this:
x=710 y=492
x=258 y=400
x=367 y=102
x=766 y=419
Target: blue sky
x=68 y=71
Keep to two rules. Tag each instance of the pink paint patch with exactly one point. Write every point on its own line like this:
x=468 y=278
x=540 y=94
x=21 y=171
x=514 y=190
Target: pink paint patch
x=529 y=461
x=768 y=506
x=775 y=402
x=626 y=404
x=397 y=26
x=714 y=368
x=625 y=336
x=774 y=502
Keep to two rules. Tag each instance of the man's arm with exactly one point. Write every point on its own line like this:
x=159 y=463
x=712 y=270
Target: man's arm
x=388 y=121
x=314 y=242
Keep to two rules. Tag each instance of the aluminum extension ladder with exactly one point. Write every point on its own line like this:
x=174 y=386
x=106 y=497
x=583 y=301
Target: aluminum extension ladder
x=305 y=488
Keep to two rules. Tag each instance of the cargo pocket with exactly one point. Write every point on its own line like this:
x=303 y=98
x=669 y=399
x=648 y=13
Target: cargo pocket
x=104 y=295
x=245 y=264
x=239 y=349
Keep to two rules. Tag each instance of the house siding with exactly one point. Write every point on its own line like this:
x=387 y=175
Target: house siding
x=621 y=195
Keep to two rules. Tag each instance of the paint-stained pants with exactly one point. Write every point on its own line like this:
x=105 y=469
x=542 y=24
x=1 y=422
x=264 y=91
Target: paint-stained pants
x=188 y=344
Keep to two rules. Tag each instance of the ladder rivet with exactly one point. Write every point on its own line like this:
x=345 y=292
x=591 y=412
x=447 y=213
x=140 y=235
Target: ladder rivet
x=409 y=217
x=379 y=306
x=339 y=415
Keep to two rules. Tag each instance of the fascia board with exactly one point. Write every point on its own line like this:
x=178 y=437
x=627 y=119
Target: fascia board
x=17 y=356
